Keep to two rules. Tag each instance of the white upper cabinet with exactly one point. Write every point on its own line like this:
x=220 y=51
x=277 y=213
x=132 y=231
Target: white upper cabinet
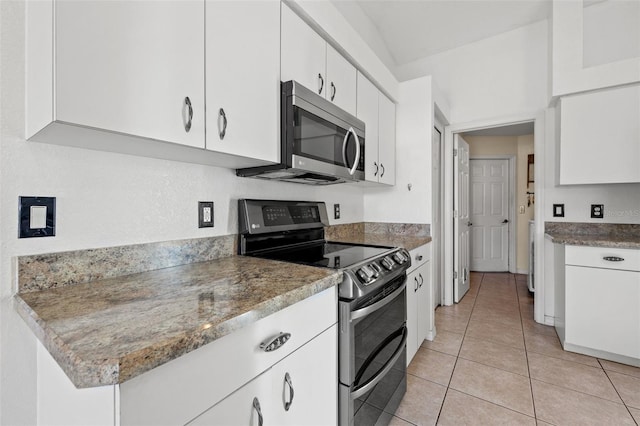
x=132 y=67
x=308 y=59
x=600 y=137
x=379 y=116
x=387 y=143
x=243 y=78
x=341 y=79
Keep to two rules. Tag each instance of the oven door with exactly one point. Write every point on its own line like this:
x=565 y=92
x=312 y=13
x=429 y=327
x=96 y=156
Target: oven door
x=373 y=374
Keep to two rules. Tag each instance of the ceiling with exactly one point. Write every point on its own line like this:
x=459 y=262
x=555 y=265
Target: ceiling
x=519 y=129
x=402 y=31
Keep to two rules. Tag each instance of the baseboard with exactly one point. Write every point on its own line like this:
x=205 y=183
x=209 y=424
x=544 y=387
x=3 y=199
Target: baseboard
x=602 y=354
x=522 y=271
x=549 y=320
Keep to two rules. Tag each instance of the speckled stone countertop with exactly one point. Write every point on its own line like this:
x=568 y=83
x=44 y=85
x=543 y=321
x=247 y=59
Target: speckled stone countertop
x=408 y=236
x=594 y=234
x=107 y=331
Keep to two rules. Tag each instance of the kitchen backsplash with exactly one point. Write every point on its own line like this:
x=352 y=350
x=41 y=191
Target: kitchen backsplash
x=339 y=232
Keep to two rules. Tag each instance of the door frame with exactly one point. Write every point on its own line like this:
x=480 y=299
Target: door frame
x=538 y=118
x=438 y=205
x=511 y=258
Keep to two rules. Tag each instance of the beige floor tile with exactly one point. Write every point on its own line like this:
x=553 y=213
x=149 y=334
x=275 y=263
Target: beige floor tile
x=550 y=346
x=457 y=309
x=541 y=423
x=491 y=384
x=561 y=406
x=432 y=365
x=620 y=368
x=635 y=413
x=462 y=409
x=421 y=404
x=497 y=306
x=453 y=323
x=495 y=355
x=496 y=332
x=446 y=342
x=509 y=320
x=397 y=421
x=530 y=326
x=628 y=387
x=572 y=375
x=498 y=298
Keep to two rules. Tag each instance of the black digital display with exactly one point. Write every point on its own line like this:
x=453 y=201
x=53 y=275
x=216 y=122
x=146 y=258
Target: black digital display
x=289 y=215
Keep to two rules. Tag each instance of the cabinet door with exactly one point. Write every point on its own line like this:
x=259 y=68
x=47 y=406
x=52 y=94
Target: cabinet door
x=240 y=408
x=341 y=80
x=308 y=380
x=243 y=78
x=128 y=67
x=387 y=140
x=413 y=284
x=304 y=53
x=602 y=310
x=367 y=111
x=599 y=134
x=425 y=306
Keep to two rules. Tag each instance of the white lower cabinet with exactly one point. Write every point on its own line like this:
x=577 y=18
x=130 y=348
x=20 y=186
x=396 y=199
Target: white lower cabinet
x=420 y=314
x=600 y=312
x=299 y=390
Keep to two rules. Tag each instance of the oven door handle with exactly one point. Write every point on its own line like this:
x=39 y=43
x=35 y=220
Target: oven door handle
x=372 y=308
x=368 y=385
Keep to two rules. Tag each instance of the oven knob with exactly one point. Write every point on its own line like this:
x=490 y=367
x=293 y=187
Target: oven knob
x=399 y=257
x=387 y=262
x=377 y=268
x=366 y=273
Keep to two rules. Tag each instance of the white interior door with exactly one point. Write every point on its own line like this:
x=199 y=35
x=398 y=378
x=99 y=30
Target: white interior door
x=489 y=215
x=461 y=218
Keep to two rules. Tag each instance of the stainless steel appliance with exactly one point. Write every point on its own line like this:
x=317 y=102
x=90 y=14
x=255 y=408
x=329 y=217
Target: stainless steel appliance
x=371 y=305
x=321 y=144
x=532 y=257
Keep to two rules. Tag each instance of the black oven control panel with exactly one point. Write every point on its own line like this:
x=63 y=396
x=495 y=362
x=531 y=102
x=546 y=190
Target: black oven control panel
x=265 y=216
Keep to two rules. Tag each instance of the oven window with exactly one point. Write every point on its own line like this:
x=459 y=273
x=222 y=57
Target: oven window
x=323 y=141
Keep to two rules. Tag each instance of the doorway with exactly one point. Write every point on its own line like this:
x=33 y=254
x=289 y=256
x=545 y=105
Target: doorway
x=437 y=231
x=520 y=125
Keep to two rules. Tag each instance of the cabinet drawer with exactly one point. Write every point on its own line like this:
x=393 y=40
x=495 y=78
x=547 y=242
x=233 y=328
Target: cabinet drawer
x=419 y=256
x=594 y=257
x=178 y=391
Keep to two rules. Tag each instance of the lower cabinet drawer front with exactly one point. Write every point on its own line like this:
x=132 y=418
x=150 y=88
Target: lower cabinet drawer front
x=419 y=256
x=603 y=310
x=176 y=392
x=602 y=257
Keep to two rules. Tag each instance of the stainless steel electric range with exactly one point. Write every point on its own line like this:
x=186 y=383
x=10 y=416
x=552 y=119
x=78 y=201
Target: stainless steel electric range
x=371 y=305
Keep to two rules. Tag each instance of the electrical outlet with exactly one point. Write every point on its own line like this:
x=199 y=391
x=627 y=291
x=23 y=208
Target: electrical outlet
x=521 y=209
x=336 y=211
x=597 y=211
x=558 y=210
x=205 y=214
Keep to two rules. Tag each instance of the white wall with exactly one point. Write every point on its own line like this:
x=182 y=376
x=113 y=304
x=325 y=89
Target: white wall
x=103 y=199
x=498 y=76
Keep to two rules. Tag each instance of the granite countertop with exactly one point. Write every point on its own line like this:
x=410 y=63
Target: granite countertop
x=110 y=330
x=594 y=235
x=394 y=240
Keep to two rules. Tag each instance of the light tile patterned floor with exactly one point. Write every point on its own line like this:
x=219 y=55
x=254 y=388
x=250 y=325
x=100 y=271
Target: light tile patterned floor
x=491 y=364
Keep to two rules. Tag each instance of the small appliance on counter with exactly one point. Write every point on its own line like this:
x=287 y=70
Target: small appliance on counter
x=321 y=144
x=371 y=306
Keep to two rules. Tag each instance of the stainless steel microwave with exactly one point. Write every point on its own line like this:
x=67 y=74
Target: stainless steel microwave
x=321 y=144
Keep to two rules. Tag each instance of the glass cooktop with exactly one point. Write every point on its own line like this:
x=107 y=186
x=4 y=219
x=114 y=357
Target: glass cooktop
x=329 y=255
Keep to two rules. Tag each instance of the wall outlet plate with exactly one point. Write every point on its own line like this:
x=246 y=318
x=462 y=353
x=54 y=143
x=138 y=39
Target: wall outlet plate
x=336 y=211
x=37 y=217
x=597 y=211
x=205 y=214
x=558 y=210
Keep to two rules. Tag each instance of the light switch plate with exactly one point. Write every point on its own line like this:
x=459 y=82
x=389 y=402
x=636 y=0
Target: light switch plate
x=558 y=210
x=37 y=217
x=205 y=214
x=336 y=211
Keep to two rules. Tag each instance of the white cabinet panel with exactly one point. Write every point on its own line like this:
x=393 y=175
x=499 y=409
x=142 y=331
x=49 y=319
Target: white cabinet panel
x=127 y=67
x=425 y=307
x=420 y=310
x=304 y=53
x=368 y=112
x=243 y=78
x=341 y=80
x=600 y=137
x=387 y=143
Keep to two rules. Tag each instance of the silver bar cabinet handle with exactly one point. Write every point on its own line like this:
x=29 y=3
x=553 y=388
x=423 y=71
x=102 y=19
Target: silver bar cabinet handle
x=333 y=91
x=256 y=406
x=613 y=259
x=382 y=166
x=275 y=342
x=222 y=131
x=189 y=118
x=287 y=381
x=376 y=172
x=320 y=83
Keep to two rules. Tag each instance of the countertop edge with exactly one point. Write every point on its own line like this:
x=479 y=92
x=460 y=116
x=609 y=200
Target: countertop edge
x=94 y=373
x=590 y=241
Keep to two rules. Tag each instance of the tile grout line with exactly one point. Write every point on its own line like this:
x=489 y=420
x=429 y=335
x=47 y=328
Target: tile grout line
x=617 y=392
x=526 y=355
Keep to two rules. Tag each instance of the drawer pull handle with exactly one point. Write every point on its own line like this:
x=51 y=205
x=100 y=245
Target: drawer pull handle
x=287 y=380
x=256 y=406
x=418 y=257
x=275 y=342
x=613 y=258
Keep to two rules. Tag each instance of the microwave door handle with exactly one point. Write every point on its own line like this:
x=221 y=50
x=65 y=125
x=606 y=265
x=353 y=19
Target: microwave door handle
x=352 y=170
